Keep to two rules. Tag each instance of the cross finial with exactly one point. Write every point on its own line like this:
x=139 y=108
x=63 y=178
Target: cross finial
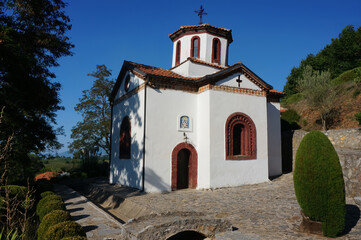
x=200 y=14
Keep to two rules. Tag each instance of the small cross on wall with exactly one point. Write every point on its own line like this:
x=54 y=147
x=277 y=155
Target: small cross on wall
x=239 y=80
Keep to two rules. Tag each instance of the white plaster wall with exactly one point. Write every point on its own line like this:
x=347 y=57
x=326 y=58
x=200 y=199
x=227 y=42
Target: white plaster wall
x=203 y=150
x=163 y=109
x=237 y=172
x=205 y=53
x=128 y=171
x=190 y=69
x=231 y=82
x=224 y=45
x=134 y=82
x=274 y=139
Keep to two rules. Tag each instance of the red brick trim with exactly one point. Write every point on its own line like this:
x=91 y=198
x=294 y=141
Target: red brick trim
x=249 y=148
x=217 y=57
x=192 y=46
x=232 y=89
x=178 y=53
x=193 y=165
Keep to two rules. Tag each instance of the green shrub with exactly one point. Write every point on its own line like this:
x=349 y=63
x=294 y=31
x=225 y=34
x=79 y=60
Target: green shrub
x=50 y=206
x=319 y=184
x=289 y=120
x=47 y=193
x=63 y=230
x=291 y=99
x=75 y=238
x=49 y=203
x=51 y=219
x=358 y=117
x=348 y=76
x=14 y=190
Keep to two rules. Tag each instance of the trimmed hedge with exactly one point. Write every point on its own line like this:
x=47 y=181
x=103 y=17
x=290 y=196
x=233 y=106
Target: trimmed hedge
x=47 y=193
x=63 y=230
x=45 y=199
x=15 y=190
x=51 y=219
x=318 y=182
x=50 y=206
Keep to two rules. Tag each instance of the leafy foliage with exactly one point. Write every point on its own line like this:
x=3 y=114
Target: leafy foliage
x=343 y=53
x=51 y=219
x=92 y=134
x=63 y=230
x=75 y=238
x=348 y=76
x=318 y=92
x=48 y=204
x=33 y=37
x=319 y=184
x=47 y=193
x=289 y=120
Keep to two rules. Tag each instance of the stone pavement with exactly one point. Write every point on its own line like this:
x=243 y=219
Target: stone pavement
x=261 y=211
x=96 y=223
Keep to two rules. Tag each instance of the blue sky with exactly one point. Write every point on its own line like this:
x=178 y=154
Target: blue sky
x=269 y=37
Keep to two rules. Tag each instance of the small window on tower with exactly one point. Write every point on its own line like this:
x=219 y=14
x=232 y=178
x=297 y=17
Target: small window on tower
x=195 y=47
x=216 y=51
x=177 y=55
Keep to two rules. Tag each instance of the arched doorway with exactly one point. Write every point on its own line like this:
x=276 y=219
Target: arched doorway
x=187 y=235
x=184 y=166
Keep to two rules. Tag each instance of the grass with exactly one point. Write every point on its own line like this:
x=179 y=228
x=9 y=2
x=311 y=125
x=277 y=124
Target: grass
x=61 y=164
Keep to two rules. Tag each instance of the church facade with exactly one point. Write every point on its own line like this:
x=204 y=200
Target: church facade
x=200 y=124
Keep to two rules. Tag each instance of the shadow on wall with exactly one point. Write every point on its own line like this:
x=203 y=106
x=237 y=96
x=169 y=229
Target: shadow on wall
x=287 y=151
x=155 y=180
x=128 y=171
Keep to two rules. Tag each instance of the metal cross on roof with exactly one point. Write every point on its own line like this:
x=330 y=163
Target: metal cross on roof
x=200 y=14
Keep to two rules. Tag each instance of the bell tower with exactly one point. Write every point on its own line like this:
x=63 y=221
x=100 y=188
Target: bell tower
x=204 y=42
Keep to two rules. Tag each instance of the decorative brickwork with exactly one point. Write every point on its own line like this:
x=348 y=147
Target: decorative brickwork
x=193 y=165
x=247 y=139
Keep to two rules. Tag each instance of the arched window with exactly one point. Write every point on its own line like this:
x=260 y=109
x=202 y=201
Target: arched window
x=216 y=51
x=241 y=141
x=125 y=139
x=195 y=47
x=127 y=83
x=178 y=52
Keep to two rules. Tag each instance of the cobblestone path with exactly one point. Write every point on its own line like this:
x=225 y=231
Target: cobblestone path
x=262 y=211
x=96 y=223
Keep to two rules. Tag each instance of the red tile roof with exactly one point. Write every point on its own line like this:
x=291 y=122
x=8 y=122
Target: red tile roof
x=224 y=32
x=276 y=92
x=154 y=71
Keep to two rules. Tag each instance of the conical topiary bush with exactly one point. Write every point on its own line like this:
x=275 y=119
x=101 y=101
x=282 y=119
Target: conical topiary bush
x=318 y=182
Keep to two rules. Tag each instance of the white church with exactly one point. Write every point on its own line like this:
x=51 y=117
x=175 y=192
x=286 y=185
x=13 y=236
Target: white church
x=201 y=124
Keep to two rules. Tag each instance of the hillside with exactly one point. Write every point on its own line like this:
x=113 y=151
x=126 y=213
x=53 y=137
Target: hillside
x=347 y=104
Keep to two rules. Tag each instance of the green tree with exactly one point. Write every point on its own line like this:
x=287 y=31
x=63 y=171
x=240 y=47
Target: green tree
x=318 y=92
x=342 y=54
x=32 y=38
x=92 y=134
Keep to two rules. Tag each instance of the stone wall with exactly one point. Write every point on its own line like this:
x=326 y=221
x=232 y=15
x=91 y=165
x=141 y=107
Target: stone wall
x=347 y=143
